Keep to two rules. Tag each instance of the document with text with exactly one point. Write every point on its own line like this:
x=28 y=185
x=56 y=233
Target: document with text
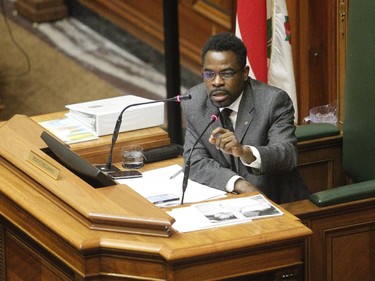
x=223 y=212
x=167 y=182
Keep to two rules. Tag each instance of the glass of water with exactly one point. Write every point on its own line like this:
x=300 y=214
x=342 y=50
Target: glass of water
x=132 y=157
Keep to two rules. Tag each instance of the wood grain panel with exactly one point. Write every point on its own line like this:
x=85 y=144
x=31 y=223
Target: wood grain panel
x=342 y=247
x=23 y=263
x=350 y=253
x=314 y=42
x=320 y=163
x=317 y=175
x=219 y=11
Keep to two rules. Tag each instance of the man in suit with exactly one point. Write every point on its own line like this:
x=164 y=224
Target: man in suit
x=260 y=154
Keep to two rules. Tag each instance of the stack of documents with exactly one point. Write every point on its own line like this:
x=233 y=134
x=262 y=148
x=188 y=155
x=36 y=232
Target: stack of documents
x=100 y=116
x=68 y=130
x=158 y=182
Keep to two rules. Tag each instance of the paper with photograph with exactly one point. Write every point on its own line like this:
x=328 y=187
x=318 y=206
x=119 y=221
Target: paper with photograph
x=223 y=212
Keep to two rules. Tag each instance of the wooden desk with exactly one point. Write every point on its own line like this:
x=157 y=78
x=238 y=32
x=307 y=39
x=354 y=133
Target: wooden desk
x=321 y=157
x=44 y=234
x=96 y=151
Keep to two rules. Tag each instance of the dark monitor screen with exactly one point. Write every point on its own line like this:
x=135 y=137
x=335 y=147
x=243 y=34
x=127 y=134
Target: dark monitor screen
x=79 y=166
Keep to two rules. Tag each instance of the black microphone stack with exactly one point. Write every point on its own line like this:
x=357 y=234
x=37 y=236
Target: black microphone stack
x=187 y=162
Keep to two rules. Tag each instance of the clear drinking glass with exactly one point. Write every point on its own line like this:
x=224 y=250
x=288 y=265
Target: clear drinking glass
x=132 y=157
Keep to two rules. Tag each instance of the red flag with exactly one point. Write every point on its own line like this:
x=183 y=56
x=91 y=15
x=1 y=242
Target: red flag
x=252 y=28
x=262 y=23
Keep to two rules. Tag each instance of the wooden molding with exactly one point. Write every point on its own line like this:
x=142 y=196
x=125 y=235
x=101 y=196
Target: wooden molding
x=2 y=254
x=215 y=11
x=41 y=10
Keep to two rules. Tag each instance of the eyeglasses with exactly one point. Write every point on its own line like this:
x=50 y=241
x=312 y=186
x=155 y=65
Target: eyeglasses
x=225 y=74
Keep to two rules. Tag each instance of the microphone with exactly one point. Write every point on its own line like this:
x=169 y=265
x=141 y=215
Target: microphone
x=108 y=165
x=213 y=118
x=179 y=98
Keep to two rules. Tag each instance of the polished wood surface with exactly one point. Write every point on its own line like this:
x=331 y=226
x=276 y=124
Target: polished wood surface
x=44 y=231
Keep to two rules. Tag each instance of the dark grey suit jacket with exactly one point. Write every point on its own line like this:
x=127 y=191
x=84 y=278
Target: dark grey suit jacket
x=265 y=120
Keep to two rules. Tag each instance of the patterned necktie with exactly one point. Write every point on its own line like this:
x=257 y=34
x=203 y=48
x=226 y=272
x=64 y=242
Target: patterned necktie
x=227 y=123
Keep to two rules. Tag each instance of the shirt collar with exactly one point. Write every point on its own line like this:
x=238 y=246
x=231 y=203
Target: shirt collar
x=234 y=105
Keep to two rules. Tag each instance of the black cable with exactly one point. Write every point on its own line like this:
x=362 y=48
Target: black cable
x=15 y=43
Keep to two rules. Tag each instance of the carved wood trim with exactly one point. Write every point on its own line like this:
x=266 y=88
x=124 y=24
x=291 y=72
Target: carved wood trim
x=2 y=253
x=42 y=10
x=342 y=24
x=214 y=11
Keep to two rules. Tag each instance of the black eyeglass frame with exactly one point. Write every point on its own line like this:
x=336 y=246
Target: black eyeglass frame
x=224 y=74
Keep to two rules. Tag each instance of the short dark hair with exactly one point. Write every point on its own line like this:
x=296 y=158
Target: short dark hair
x=226 y=41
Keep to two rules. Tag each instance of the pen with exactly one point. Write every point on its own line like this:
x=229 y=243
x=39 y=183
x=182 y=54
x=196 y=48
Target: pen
x=176 y=174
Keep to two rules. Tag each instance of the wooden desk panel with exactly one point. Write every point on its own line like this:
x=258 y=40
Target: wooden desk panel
x=107 y=208
x=343 y=241
x=320 y=163
x=47 y=230
x=39 y=228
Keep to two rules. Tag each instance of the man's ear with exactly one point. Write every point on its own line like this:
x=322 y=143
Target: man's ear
x=245 y=72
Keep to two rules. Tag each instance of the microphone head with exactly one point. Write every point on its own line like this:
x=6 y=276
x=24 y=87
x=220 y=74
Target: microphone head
x=184 y=97
x=214 y=117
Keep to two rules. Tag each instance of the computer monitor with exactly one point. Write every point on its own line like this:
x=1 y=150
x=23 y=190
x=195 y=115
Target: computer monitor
x=79 y=166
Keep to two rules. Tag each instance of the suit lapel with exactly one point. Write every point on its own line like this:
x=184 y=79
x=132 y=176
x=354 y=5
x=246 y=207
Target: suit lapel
x=245 y=113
